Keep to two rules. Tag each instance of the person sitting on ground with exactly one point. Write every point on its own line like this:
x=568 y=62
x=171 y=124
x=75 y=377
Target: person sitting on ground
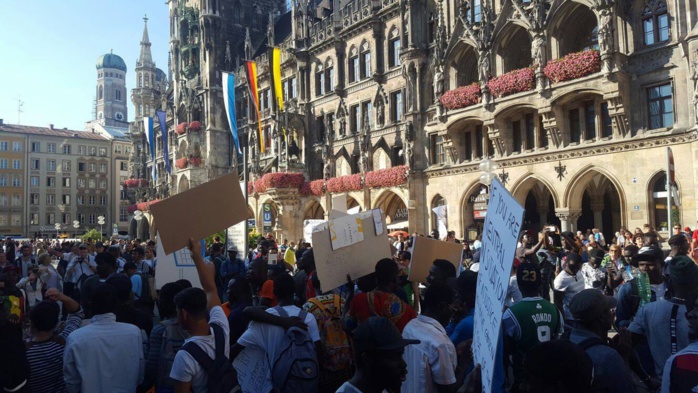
x=381 y=301
x=378 y=356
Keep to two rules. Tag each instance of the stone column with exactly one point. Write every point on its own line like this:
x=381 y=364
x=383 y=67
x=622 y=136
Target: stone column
x=597 y=208
x=568 y=219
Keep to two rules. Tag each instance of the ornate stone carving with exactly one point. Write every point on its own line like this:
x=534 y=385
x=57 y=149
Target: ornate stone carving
x=409 y=145
x=694 y=77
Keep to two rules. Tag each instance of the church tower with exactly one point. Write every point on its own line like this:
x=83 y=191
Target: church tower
x=111 y=107
x=150 y=81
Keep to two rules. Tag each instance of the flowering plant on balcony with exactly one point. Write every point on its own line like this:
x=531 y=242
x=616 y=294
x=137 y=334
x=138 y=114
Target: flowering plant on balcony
x=135 y=183
x=195 y=161
x=352 y=182
x=283 y=180
x=181 y=128
x=259 y=186
x=195 y=126
x=334 y=184
x=461 y=97
x=131 y=209
x=389 y=177
x=142 y=206
x=317 y=187
x=512 y=82
x=181 y=163
x=573 y=66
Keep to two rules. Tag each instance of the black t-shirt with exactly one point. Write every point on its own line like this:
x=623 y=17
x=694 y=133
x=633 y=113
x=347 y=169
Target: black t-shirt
x=128 y=314
x=14 y=367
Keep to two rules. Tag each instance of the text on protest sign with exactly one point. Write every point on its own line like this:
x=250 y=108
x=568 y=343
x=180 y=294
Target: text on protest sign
x=502 y=227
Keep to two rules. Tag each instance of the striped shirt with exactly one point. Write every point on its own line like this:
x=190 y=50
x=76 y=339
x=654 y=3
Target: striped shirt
x=46 y=359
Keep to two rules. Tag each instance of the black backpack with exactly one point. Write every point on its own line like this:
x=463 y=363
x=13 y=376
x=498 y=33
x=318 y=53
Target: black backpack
x=222 y=377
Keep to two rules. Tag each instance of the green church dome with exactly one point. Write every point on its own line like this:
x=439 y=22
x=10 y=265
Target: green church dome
x=111 y=60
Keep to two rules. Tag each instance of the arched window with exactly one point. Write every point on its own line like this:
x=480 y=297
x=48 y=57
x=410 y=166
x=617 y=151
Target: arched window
x=101 y=92
x=147 y=80
x=319 y=80
x=365 y=60
x=353 y=65
x=237 y=13
x=655 y=22
x=658 y=203
x=394 y=48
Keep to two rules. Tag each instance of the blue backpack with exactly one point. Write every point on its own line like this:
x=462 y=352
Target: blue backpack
x=296 y=369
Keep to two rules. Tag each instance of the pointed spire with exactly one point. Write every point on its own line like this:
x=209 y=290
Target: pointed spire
x=248 y=44
x=146 y=57
x=270 y=30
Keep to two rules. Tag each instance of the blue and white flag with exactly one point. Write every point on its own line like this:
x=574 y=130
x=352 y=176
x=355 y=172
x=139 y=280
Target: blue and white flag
x=162 y=115
x=150 y=136
x=229 y=100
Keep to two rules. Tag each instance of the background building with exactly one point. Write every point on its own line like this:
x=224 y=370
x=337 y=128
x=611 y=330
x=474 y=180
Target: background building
x=576 y=101
x=13 y=162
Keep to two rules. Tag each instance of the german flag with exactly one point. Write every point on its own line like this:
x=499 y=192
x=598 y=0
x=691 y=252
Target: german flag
x=275 y=74
x=251 y=73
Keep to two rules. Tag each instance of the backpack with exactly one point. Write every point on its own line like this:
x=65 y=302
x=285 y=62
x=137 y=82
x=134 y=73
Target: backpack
x=295 y=369
x=148 y=292
x=338 y=355
x=221 y=375
x=172 y=341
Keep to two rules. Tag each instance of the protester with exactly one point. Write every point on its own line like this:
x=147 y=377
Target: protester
x=49 y=275
x=105 y=356
x=233 y=267
x=239 y=298
x=25 y=260
x=433 y=365
x=681 y=371
x=649 y=286
x=257 y=277
x=593 y=272
x=441 y=271
x=218 y=261
x=142 y=265
x=46 y=348
x=567 y=284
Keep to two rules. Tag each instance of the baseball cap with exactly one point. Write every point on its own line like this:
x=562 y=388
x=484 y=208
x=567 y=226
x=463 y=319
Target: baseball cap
x=687 y=229
x=378 y=333
x=651 y=254
x=590 y=304
x=528 y=275
x=232 y=249
x=83 y=246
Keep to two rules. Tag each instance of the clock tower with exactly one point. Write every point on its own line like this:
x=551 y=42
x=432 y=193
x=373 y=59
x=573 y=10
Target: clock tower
x=111 y=105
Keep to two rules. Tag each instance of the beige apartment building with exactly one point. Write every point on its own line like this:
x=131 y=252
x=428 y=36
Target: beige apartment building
x=63 y=176
x=13 y=153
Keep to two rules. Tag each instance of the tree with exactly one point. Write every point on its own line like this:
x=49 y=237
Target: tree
x=92 y=233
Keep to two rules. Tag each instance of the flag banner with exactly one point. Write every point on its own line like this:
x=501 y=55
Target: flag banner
x=229 y=101
x=162 y=119
x=150 y=137
x=251 y=72
x=275 y=74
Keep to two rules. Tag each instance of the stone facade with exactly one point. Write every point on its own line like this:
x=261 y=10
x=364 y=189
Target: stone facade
x=563 y=95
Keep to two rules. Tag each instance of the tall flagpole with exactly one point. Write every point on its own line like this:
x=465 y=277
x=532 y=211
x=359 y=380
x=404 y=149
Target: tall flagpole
x=669 y=174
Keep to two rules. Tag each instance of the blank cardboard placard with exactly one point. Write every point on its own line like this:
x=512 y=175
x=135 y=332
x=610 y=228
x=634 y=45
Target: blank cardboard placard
x=339 y=203
x=199 y=212
x=357 y=260
x=426 y=250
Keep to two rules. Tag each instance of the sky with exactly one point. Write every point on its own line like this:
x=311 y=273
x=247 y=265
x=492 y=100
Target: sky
x=48 y=51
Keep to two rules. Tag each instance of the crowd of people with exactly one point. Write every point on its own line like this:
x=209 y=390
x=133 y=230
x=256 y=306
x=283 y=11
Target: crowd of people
x=582 y=314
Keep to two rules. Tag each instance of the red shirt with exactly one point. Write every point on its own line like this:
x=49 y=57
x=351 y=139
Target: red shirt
x=377 y=303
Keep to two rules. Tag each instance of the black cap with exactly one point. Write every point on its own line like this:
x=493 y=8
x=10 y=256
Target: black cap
x=590 y=304
x=677 y=239
x=651 y=254
x=378 y=333
x=528 y=275
x=597 y=254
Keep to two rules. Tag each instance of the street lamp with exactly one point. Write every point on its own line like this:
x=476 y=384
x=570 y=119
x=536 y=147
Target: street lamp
x=76 y=225
x=100 y=221
x=58 y=228
x=488 y=168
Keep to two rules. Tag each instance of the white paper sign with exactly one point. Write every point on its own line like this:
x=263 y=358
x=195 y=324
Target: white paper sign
x=253 y=370
x=309 y=228
x=176 y=266
x=502 y=227
x=345 y=231
x=378 y=221
x=354 y=210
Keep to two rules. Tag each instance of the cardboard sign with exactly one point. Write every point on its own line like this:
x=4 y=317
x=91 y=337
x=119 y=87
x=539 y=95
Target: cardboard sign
x=346 y=231
x=176 y=266
x=357 y=260
x=501 y=232
x=236 y=234
x=339 y=203
x=308 y=228
x=199 y=212
x=252 y=366
x=426 y=250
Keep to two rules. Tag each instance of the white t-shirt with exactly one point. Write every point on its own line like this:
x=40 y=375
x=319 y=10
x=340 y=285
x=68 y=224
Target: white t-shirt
x=433 y=361
x=570 y=285
x=186 y=369
x=269 y=337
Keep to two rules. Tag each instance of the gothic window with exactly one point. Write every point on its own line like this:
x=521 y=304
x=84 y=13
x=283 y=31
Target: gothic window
x=319 y=80
x=394 y=49
x=365 y=60
x=655 y=22
x=523 y=131
x=660 y=100
x=101 y=92
x=474 y=11
x=140 y=80
x=353 y=65
x=329 y=76
x=237 y=13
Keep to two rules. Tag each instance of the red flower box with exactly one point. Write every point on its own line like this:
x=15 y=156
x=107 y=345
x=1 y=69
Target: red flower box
x=195 y=161
x=131 y=209
x=334 y=184
x=283 y=180
x=461 y=97
x=134 y=183
x=573 y=66
x=390 y=177
x=181 y=128
x=181 y=163
x=512 y=82
x=195 y=126
x=345 y=183
x=317 y=187
x=259 y=186
x=142 y=206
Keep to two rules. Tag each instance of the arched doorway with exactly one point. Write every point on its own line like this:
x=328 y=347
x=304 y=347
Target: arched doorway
x=314 y=211
x=658 y=204
x=394 y=208
x=599 y=200
x=537 y=197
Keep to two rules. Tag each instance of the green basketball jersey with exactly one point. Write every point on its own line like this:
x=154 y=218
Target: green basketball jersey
x=534 y=320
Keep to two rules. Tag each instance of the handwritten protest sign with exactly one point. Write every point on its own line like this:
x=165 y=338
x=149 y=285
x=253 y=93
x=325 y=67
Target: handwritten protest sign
x=357 y=260
x=346 y=231
x=176 y=266
x=502 y=227
x=199 y=212
x=252 y=366
x=425 y=251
